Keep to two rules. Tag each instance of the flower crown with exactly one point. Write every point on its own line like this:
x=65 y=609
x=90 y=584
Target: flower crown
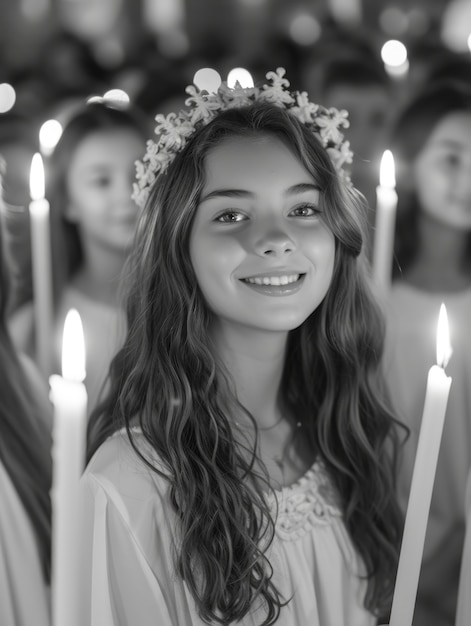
x=174 y=130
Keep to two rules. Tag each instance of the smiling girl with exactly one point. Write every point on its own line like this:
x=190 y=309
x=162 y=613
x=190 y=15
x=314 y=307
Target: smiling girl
x=241 y=468
x=93 y=218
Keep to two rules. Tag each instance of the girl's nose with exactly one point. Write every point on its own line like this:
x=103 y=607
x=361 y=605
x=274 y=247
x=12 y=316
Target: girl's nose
x=274 y=243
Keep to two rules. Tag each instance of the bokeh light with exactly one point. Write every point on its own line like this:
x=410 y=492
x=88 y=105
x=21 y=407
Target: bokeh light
x=394 y=53
x=7 y=97
x=240 y=75
x=304 y=29
x=208 y=79
x=49 y=134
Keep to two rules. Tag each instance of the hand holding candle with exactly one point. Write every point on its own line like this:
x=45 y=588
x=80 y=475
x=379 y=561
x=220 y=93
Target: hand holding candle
x=69 y=397
x=436 y=399
x=41 y=266
x=386 y=204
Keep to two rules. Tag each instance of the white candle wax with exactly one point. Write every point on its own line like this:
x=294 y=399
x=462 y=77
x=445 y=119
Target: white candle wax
x=386 y=204
x=69 y=397
x=433 y=417
x=41 y=267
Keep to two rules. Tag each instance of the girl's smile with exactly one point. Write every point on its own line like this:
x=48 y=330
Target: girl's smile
x=282 y=284
x=261 y=251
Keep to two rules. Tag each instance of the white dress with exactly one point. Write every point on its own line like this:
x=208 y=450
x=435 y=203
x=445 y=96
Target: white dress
x=127 y=575
x=410 y=351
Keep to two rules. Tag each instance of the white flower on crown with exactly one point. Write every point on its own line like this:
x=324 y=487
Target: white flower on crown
x=237 y=96
x=305 y=110
x=174 y=130
x=204 y=105
x=329 y=126
x=276 y=92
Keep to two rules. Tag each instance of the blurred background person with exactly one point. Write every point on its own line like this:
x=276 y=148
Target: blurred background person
x=431 y=142
x=89 y=180
x=25 y=479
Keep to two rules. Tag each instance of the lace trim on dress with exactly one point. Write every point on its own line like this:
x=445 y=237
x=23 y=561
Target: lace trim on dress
x=310 y=501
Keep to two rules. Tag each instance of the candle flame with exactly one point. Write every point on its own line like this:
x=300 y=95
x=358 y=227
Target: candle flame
x=73 y=348
x=387 y=173
x=444 y=349
x=36 y=178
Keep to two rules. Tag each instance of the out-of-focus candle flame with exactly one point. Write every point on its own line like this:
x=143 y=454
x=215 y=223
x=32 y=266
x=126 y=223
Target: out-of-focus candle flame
x=73 y=348
x=444 y=349
x=208 y=79
x=240 y=75
x=387 y=173
x=36 y=178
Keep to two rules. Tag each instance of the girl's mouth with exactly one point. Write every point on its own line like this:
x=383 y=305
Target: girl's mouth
x=280 y=285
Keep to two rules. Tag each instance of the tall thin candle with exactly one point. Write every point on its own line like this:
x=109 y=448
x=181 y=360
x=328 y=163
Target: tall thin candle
x=433 y=417
x=386 y=205
x=69 y=397
x=41 y=266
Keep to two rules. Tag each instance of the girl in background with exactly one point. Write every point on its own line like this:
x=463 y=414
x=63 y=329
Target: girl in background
x=25 y=479
x=89 y=184
x=241 y=467
x=431 y=143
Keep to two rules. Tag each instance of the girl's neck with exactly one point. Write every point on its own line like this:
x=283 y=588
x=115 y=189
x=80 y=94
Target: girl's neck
x=100 y=275
x=440 y=262
x=255 y=361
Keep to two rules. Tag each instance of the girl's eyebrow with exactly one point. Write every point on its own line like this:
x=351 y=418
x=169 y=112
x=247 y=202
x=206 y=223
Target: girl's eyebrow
x=243 y=193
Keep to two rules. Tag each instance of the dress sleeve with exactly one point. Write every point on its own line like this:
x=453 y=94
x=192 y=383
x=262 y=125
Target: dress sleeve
x=117 y=586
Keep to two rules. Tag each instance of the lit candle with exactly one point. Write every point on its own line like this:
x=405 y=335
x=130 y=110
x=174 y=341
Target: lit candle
x=69 y=397
x=436 y=399
x=41 y=266
x=386 y=204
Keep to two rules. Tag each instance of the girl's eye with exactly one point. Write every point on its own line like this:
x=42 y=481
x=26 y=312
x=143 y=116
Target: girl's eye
x=305 y=210
x=230 y=217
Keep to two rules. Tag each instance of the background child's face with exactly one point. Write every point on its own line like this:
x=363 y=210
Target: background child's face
x=442 y=172
x=99 y=185
x=259 y=221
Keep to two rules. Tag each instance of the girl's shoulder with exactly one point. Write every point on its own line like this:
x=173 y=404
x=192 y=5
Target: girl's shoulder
x=120 y=472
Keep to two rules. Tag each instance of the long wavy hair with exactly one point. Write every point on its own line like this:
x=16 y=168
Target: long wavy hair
x=167 y=379
x=25 y=442
x=410 y=133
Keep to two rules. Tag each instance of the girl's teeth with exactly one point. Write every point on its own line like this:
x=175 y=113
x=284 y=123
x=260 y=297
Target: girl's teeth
x=274 y=280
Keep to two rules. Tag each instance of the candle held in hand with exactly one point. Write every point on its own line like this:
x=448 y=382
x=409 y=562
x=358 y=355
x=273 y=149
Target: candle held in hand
x=41 y=266
x=69 y=397
x=386 y=204
x=433 y=417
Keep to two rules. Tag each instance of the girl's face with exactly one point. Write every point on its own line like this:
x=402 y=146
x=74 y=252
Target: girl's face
x=262 y=254
x=99 y=187
x=442 y=172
